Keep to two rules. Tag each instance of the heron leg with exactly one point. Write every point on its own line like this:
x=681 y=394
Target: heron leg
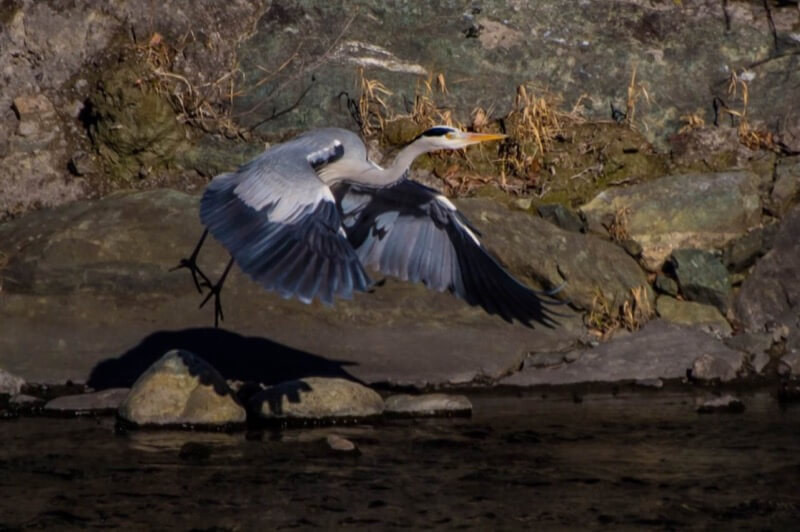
x=215 y=290
x=191 y=265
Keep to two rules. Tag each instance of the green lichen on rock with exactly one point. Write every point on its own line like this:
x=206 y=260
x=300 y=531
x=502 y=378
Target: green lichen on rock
x=590 y=157
x=133 y=127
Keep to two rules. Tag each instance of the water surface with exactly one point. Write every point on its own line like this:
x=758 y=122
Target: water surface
x=521 y=462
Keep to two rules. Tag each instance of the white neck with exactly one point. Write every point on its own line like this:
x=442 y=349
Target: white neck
x=386 y=176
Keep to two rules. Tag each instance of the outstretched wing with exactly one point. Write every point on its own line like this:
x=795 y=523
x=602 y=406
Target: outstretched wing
x=280 y=222
x=414 y=233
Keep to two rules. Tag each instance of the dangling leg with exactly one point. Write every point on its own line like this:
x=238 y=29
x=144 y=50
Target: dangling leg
x=215 y=291
x=191 y=264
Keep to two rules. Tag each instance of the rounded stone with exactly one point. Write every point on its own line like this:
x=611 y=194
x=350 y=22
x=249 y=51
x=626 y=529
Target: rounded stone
x=317 y=398
x=179 y=389
x=337 y=443
x=431 y=404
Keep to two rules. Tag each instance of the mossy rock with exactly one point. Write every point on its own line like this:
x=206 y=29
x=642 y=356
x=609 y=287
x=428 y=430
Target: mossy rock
x=133 y=127
x=590 y=157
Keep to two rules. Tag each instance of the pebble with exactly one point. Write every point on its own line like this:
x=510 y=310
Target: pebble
x=337 y=443
x=431 y=404
x=650 y=383
x=725 y=403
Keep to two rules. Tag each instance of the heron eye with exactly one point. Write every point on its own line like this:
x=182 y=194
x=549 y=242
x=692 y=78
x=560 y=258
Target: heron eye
x=450 y=136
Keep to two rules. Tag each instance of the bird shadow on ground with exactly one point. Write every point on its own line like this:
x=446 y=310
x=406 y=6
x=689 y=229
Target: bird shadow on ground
x=234 y=356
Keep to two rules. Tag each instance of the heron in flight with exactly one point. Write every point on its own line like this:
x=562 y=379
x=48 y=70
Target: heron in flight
x=308 y=217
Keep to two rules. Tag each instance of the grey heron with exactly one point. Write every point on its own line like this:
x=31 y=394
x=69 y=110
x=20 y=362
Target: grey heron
x=308 y=217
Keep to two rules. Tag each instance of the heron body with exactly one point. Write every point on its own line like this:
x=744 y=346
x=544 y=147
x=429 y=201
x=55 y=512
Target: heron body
x=307 y=218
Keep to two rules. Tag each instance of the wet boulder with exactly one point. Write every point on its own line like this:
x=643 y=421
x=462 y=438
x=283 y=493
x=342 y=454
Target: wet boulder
x=317 y=399
x=703 y=211
x=701 y=277
x=181 y=389
x=690 y=313
x=429 y=404
x=771 y=293
x=96 y=402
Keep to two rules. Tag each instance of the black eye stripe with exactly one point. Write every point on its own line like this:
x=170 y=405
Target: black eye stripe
x=436 y=132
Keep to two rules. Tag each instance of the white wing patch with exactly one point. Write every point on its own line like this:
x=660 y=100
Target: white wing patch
x=449 y=205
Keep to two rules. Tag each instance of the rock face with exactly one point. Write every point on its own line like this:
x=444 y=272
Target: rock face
x=498 y=45
x=701 y=277
x=659 y=350
x=180 y=389
x=430 y=404
x=79 y=271
x=533 y=248
x=703 y=211
x=317 y=398
x=786 y=189
x=772 y=291
x=693 y=314
x=49 y=56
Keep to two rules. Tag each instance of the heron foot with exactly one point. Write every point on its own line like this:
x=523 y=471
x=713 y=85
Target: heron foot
x=191 y=264
x=215 y=290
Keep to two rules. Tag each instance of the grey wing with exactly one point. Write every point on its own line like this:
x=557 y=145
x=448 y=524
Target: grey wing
x=281 y=225
x=414 y=233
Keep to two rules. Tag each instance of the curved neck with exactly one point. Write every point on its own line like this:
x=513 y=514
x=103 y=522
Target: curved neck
x=386 y=176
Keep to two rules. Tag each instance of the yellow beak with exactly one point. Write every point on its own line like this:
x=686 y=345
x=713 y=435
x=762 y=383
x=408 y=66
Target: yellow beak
x=472 y=138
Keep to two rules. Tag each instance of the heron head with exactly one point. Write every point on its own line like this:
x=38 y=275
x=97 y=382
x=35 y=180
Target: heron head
x=450 y=138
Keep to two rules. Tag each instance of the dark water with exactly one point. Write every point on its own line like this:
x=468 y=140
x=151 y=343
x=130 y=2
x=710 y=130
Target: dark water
x=633 y=462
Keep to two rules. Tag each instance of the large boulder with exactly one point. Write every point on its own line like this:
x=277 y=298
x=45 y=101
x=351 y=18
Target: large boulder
x=587 y=266
x=703 y=211
x=88 y=293
x=771 y=294
x=181 y=389
x=660 y=350
x=693 y=314
x=317 y=398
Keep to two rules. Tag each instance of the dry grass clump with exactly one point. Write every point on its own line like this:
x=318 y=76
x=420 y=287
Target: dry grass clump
x=750 y=136
x=602 y=319
x=206 y=106
x=371 y=111
x=636 y=91
x=618 y=228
